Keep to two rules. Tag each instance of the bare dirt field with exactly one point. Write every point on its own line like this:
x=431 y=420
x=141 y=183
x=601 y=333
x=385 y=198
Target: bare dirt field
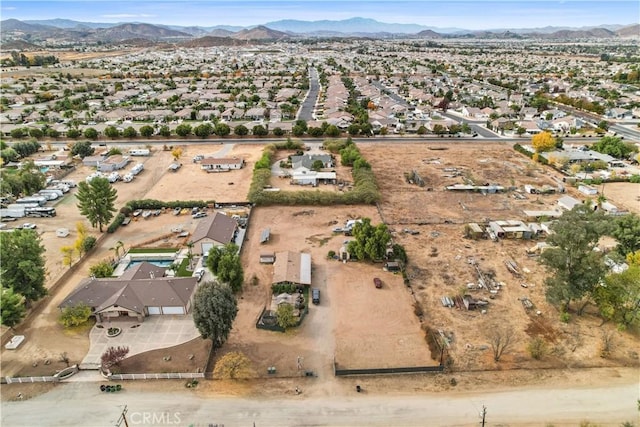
x=358 y=325
x=439 y=256
x=624 y=195
x=355 y=322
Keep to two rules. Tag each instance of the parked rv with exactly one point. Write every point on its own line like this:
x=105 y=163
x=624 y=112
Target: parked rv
x=127 y=178
x=139 y=152
x=137 y=169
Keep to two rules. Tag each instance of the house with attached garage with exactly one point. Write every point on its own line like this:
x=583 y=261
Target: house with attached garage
x=216 y=230
x=140 y=292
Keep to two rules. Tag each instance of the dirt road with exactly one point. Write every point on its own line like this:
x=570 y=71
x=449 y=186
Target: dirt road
x=606 y=405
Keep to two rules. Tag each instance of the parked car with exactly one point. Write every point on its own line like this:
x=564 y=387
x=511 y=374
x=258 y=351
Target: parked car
x=199 y=215
x=377 y=282
x=315 y=296
x=29 y=225
x=176 y=211
x=199 y=273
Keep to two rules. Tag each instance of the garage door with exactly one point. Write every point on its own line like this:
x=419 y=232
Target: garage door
x=154 y=310
x=172 y=310
x=206 y=247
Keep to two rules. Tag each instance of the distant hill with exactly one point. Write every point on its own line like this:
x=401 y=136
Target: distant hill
x=211 y=41
x=136 y=31
x=428 y=34
x=13 y=25
x=630 y=31
x=19 y=45
x=219 y=32
x=346 y=26
x=600 y=33
x=69 y=23
x=260 y=33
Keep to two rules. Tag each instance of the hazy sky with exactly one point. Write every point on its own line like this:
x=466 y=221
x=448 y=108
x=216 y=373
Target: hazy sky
x=478 y=14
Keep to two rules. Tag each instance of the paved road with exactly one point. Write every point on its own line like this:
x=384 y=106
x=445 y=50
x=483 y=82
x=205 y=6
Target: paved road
x=82 y=404
x=305 y=112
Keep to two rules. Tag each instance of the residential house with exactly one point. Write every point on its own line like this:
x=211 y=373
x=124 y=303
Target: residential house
x=141 y=292
x=619 y=114
x=216 y=230
x=292 y=267
x=221 y=164
x=307 y=160
x=113 y=163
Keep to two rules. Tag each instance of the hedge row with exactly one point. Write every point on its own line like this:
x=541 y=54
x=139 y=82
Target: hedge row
x=117 y=222
x=365 y=189
x=520 y=149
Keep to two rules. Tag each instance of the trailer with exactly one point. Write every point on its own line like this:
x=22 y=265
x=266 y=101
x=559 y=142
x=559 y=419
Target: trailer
x=137 y=169
x=46 y=191
x=139 y=152
x=12 y=213
x=49 y=196
x=41 y=200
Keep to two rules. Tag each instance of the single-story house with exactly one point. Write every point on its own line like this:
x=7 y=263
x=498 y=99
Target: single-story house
x=216 y=230
x=142 y=292
x=292 y=267
x=304 y=176
x=221 y=164
x=93 y=161
x=113 y=163
x=307 y=160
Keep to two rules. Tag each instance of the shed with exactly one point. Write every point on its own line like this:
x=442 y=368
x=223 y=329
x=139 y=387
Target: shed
x=568 y=202
x=474 y=231
x=587 y=189
x=265 y=235
x=392 y=266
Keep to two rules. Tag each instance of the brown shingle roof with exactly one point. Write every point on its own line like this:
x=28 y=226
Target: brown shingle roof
x=218 y=227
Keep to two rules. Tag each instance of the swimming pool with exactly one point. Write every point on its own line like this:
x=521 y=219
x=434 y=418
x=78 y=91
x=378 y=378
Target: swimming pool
x=158 y=262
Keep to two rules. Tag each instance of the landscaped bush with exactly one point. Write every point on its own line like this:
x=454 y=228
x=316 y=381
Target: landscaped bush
x=289 y=145
x=159 y=204
x=117 y=222
x=283 y=288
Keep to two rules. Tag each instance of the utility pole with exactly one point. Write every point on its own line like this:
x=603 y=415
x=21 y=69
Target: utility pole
x=123 y=418
x=484 y=414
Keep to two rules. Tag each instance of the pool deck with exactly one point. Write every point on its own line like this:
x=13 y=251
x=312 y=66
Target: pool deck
x=128 y=258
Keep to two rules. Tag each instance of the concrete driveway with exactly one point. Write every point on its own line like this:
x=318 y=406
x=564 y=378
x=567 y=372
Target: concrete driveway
x=154 y=333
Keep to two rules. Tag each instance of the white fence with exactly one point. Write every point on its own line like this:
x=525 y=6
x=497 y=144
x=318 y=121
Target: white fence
x=20 y=380
x=165 y=376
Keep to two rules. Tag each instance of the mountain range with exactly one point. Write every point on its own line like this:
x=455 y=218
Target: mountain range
x=66 y=31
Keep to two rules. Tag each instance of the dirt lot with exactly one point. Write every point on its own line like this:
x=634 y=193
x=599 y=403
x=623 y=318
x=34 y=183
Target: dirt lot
x=624 y=195
x=439 y=255
x=356 y=324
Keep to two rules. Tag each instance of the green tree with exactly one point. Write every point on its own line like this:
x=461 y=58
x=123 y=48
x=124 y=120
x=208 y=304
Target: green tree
x=102 y=269
x=627 y=232
x=146 y=131
x=332 y=131
x=52 y=133
x=203 y=130
x=214 y=310
x=285 y=317
x=36 y=133
x=75 y=315
x=111 y=132
x=12 y=308
x=165 y=131
x=183 y=129
x=615 y=147
x=618 y=299
x=575 y=268
x=369 y=242
x=96 y=201
x=82 y=149
x=18 y=133
x=241 y=130
x=73 y=133
x=225 y=263
x=22 y=266
x=130 y=132
x=87 y=243
x=90 y=133
x=222 y=129
x=277 y=131
x=259 y=130
x=317 y=165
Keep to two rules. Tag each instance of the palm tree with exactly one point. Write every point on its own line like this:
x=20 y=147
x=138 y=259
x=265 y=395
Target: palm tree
x=190 y=254
x=116 y=249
